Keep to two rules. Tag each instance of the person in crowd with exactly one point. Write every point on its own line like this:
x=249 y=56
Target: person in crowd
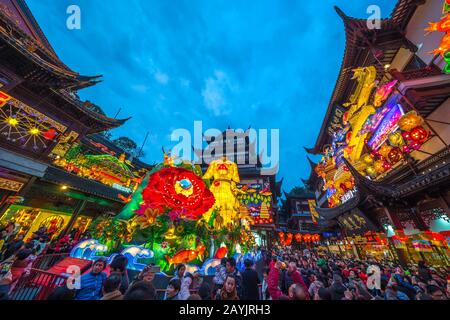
x=436 y=293
x=234 y=272
x=111 y=287
x=119 y=266
x=194 y=296
x=205 y=291
x=12 y=270
x=186 y=285
x=179 y=271
x=229 y=289
x=293 y=276
x=273 y=281
x=220 y=275
x=264 y=286
x=147 y=275
x=173 y=290
x=140 y=290
x=314 y=283
x=298 y=292
x=91 y=283
x=14 y=246
x=322 y=293
x=250 y=282
x=337 y=288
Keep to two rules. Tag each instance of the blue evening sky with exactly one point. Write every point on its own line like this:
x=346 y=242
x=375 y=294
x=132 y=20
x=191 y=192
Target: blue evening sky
x=266 y=63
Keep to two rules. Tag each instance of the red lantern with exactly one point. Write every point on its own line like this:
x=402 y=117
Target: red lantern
x=298 y=237
x=419 y=134
x=49 y=134
x=395 y=155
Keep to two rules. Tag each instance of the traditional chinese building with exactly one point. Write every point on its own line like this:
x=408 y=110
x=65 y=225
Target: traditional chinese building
x=41 y=119
x=384 y=142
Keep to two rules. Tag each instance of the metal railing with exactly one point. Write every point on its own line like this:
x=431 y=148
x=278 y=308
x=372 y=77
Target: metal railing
x=36 y=285
x=45 y=262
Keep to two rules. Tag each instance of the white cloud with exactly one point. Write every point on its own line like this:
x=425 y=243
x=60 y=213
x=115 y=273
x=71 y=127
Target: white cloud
x=141 y=88
x=214 y=93
x=161 y=77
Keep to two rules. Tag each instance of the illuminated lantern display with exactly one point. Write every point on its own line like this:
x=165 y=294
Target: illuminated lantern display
x=419 y=134
x=367 y=159
x=447 y=60
x=307 y=237
x=384 y=150
x=348 y=136
x=379 y=166
x=395 y=139
x=50 y=134
x=227 y=206
x=409 y=121
x=178 y=189
x=415 y=145
x=371 y=171
x=298 y=237
x=395 y=155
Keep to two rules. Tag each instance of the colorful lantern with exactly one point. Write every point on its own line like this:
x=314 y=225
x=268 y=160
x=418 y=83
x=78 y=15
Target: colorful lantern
x=379 y=166
x=298 y=237
x=409 y=121
x=395 y=139
x=395 y=155
x=49 y=134
x=419 y=134
x=384 y=150
x=415 y=145
x=371 y=171
x=367 y=159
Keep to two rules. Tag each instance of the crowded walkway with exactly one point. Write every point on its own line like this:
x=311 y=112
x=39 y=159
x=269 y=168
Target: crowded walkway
x=282 y=273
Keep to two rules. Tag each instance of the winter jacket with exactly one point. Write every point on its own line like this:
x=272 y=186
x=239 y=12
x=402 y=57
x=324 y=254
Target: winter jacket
x=250 y=282
x=272 y=282
x=297 y=279
x=90 y=286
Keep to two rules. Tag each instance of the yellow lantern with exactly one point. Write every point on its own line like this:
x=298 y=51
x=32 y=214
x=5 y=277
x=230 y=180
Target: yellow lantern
x=367 y=158
x=371 y=171
x=395 y=139
x=379 y=166
x=410 y=121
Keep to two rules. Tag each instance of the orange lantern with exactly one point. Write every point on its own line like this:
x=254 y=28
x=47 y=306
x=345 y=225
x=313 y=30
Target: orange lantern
x=298 y=237
x=409 y=121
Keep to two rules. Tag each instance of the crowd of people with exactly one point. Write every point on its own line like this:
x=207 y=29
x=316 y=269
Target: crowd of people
x=306 y=275
x=282 y=273
x=18 y=254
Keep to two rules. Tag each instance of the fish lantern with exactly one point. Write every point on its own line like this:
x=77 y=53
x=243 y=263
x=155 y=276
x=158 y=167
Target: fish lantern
x=379 y=166
x=395 y=155
x=395 y=139
x=367 y=159
x=371 y=171
x=410 y=121
x=384 y=150
x=419 y=134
